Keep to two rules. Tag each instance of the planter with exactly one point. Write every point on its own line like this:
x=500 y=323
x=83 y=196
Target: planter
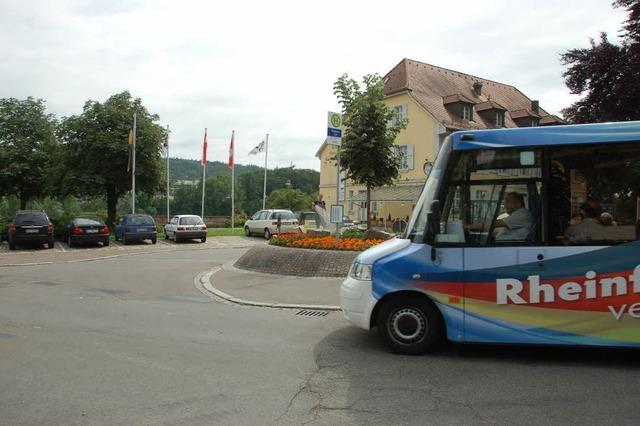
x=299 y=262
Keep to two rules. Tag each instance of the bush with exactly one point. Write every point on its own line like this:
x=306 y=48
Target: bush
x=353 y=232
x=239 y=221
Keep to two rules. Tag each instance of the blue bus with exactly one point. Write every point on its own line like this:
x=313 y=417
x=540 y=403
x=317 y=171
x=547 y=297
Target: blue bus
x=522 y=236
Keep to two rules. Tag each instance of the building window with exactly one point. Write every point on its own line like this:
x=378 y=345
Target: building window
x=466 y=112
x=405 y=155
x=499 y=119
x=350 y=202
x=399 y=114
x=534 y=122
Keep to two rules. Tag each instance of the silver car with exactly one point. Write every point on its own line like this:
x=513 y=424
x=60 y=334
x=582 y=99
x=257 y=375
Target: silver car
x=265 y=223
x=185 y=227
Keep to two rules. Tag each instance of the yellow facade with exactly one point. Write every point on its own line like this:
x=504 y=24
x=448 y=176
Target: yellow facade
x=420 y=140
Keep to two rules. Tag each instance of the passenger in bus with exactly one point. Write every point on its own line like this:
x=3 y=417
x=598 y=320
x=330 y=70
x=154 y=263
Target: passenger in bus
x=606 y=219
x=583 y=232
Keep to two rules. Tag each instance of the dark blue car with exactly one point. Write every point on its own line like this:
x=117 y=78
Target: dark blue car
x=136 y=227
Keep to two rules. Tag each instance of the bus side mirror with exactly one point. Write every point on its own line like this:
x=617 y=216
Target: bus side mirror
x=433 y=222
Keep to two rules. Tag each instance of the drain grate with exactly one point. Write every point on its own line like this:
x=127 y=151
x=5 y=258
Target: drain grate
x=312 y=313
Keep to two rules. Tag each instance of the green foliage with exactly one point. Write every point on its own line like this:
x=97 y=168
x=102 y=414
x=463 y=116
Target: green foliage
x=96 y=151
x=251 y=185
x=367 y=152
x=353 y=233
x=239 y=221
x=606 y=75
x=28 y=148
x=290 y=199
x=184 y=169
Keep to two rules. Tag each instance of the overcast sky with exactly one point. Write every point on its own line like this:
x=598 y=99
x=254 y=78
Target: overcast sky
x=260 y=66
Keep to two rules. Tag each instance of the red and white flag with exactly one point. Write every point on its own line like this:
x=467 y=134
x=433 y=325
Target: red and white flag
x=231 y=163
x=203 y=162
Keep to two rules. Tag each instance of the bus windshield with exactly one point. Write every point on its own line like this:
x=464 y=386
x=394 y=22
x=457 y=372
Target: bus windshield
x=418 y=222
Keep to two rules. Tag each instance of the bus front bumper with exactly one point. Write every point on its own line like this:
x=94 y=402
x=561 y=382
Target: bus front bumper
x=357 y=302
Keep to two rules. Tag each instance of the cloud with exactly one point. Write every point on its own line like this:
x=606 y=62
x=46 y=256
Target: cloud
x=268 y=67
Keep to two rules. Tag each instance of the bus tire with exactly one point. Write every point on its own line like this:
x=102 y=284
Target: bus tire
x=411 y=325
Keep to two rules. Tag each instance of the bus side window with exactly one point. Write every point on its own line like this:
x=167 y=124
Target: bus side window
x=593 y=194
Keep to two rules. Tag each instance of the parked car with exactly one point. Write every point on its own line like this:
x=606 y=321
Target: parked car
x=185 y=227
x=86 y=230
x=265 y=222
x=136 y=227
x=30 y=227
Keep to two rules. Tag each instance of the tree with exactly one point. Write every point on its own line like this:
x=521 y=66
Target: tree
x=290 y=199
x=367 y=153
x=96 y=150
x=607 y=75
x=27 y=148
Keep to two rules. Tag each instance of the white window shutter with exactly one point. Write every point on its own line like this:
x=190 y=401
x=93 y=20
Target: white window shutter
x=404 y=111
x=410 y=157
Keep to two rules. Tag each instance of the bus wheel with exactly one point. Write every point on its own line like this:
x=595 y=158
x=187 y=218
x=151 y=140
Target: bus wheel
x=411 y=325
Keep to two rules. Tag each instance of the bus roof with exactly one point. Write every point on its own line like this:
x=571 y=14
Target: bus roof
x=625 y=131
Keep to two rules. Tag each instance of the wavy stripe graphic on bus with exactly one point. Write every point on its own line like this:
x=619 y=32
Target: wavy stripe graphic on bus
x=559 y=321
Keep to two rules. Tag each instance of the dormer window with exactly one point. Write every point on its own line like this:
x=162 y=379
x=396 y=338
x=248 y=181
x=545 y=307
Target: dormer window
x=467 y=112
x=499 y=119
x=459 y=106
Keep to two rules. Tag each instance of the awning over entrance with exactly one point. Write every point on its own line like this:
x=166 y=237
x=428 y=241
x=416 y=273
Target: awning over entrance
x=407 y=193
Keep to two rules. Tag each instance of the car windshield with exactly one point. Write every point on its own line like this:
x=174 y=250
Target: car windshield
x=190 y=220
x=87 y=221
x=283 y=215
x=141 y=220
x=38 y=219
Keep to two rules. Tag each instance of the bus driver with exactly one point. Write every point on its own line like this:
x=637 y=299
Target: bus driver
x=517 y=226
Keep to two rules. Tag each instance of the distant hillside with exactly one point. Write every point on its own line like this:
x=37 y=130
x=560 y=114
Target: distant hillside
x=182 y=169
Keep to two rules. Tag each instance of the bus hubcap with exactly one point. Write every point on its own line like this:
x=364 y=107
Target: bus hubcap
x=408 y=325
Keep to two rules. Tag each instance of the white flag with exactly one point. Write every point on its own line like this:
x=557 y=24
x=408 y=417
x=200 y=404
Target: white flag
x=257 y=149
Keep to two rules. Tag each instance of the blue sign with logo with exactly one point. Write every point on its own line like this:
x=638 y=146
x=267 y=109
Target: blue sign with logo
x=334 y=132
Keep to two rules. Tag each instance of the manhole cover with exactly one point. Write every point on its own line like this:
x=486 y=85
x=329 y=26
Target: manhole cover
x=312 y=313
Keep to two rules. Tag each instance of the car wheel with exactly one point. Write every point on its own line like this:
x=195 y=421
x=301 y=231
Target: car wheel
x=115 y=237
x=69 y=242
x=247 y=232
x=154 y=240
x=166 y=236
x=267 y=234
x=105 y=244
x=203 y=239
x=51 y=243
x=124 y=240
x=411 y=325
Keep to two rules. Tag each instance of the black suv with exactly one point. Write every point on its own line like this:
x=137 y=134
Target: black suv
x=30 y=227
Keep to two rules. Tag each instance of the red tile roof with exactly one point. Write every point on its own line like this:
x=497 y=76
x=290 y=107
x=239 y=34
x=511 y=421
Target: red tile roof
x=434 y=87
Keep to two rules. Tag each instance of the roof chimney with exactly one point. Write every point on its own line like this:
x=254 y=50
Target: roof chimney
x=477 y=87
x=535 y=106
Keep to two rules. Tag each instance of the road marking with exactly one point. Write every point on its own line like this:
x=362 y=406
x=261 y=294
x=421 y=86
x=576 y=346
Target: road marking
x=61 y=247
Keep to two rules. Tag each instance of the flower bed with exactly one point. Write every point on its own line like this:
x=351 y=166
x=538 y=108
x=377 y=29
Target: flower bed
x=322 y=242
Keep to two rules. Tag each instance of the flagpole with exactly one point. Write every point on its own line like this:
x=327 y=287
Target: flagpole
x=264 y=189
x=204 y=171
x=167 y=140
x=133 y=169
x=233 y=178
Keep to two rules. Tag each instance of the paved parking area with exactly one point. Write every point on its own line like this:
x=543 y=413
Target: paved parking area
x=63 y=253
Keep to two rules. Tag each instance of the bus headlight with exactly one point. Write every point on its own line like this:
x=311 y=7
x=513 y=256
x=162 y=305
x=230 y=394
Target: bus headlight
x=360 y=271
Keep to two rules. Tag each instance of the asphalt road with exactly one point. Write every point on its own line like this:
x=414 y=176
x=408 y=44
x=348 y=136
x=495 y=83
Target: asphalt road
x=130 y=340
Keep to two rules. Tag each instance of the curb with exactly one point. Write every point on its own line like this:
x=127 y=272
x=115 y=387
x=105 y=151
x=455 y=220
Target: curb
x=202 y=282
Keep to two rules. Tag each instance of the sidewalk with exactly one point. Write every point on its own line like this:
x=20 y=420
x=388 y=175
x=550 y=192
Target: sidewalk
x=271 y=288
